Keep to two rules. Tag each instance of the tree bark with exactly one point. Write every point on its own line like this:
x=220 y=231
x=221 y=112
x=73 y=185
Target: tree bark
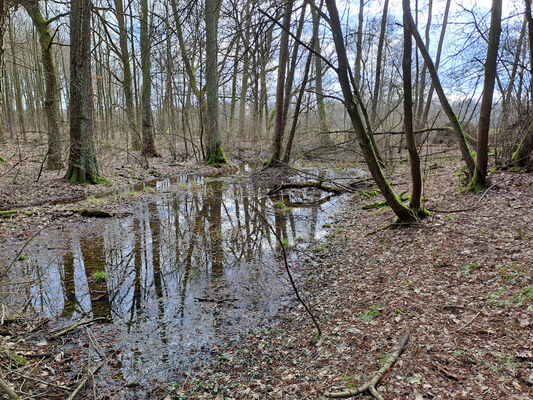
x=82 y=167
x=126 y=72
x=520 y=157
x=214 y=154
x=479 y=180
x=51 y=104
x=377 y=80
x=454 y=121
x=414 y=159
x=427 y=107
x=325 y=139
x=355 y=110
x=148 y=145
x=280 y=88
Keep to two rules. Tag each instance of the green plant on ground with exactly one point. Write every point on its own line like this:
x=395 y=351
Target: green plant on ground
x=100 y=276
x=372 y=312
x=468 y=268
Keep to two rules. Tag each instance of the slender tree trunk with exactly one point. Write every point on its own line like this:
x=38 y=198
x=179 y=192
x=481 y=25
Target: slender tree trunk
x=479 y=179
x=359 y=45
x=245 y=72
x=377 y=83
x=425 y=116
x=325 y=139
x=520 y=157
x=297 y=106
x=414 y=159
x=16 y=82
x=126 y=75
x=82 y=167
x=460 y=135
x=355 y=111
x=214 y=154
x=3 y=20
x=148 y=146
x=51 y=105
x=280 y=88
x=421 y=91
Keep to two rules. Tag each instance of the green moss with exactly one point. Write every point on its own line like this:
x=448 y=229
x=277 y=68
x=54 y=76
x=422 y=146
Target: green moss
x=155 y=173
x=94 y=213
x=368 y=193
x=7 y=213
x=28 y=213
x=21 y=258
x=216 y=158
x=2 y=159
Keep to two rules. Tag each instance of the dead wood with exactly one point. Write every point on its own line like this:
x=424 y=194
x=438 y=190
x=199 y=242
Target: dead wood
x=370 y=386
x=7 y=389
x=76 y=325
x=334 y=188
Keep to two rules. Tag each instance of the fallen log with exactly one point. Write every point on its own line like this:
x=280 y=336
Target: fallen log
x=370 y=386
x=76 y=325
x=334 y=188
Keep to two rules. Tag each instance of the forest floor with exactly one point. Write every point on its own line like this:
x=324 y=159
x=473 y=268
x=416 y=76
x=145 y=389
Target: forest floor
x=460 y=283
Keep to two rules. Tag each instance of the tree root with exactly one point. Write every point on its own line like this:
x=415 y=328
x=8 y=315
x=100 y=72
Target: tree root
x=370 y=386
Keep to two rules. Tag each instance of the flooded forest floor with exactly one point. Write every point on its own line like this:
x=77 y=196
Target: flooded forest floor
x=460 y=283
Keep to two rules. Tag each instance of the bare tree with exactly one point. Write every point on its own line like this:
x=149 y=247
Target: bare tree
x=82 y=167
x=479 y=180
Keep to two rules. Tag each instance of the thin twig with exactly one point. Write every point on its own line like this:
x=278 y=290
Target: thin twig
x=287 y=269
x=464 y=209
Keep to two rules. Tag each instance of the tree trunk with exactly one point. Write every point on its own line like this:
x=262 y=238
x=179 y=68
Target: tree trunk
x=479 y=179
x=359 y=44
x=16 y=82
x=148 y=146
x=51 y=103
x=414 y=159
x=280 y=88
x=3 y=20
x=425 y=115
x=377 y=83
x=127 y=77
x=325 y=139
x=355 y=111
x=82 y=167
x=460 y=135
x=520 y=157
x=420 y=108
x=214 y=154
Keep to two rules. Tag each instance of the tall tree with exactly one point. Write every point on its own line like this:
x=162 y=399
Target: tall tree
x=280 y=85
x=427 y=107
x=522 y=154
x=377 y=80
x=324 y=130
x=51 y=102
x=454 y=121
x=3 y=21
x=148 y=146
x=214 y=154
x=408 y=111
x=126 y=74
x=82 y=166
x=355 y=109
x=479 y=180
